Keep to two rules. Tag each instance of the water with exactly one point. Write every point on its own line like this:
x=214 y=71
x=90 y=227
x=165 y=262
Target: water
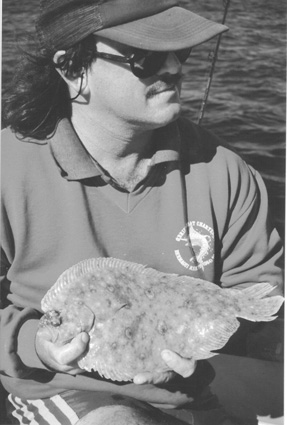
x=246 y=104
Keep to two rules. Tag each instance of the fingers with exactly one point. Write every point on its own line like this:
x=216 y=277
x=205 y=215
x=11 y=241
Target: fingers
x=180 y=365
x=62 y=358
x=68 y=353
x=153 y=378
x=176 y=364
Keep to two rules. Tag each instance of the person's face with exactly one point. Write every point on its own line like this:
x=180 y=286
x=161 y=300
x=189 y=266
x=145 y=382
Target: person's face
x=115 y=93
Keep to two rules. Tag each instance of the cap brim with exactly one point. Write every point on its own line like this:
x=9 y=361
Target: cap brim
x=173 y=29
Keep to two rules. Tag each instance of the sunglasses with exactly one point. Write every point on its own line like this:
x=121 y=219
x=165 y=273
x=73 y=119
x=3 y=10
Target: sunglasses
x=144 y=63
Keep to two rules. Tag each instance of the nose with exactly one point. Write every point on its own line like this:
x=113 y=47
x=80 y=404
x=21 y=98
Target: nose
x=172 y=65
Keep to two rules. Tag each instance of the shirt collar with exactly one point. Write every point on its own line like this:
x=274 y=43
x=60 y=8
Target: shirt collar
x=76 y=163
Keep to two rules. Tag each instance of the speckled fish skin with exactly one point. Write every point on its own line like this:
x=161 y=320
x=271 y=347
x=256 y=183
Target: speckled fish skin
x=132 y=313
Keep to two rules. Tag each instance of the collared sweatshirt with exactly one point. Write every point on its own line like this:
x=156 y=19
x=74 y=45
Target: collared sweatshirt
x=202 y=212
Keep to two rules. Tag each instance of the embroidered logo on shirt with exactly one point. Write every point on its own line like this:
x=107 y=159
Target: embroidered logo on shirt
x=195 y=239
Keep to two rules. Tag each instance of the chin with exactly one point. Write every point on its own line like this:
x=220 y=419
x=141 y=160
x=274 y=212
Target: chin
x=171 y=114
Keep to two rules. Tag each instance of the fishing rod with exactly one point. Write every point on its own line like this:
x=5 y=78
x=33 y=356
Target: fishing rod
x=213 y=56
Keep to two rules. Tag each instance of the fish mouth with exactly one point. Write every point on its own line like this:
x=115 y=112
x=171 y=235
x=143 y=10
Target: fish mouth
x=64 y=326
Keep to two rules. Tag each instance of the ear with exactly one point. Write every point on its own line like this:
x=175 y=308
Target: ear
x=75 y=83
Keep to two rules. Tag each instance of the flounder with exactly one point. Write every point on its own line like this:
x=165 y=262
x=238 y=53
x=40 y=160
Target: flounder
x=132 y=313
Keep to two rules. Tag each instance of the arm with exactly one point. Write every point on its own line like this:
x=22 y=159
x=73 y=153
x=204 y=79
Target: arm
x=19 y=356
x=251 y=247
x=11 y=321
x=251 y=253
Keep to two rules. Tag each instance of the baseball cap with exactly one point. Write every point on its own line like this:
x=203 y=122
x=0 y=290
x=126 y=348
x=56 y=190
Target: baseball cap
x=159 y=25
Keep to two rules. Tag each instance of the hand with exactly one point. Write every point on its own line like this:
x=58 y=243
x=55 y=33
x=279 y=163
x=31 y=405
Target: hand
x=61 y=358
x=176 y=363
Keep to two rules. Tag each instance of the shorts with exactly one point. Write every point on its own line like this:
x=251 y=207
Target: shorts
x=68 y=407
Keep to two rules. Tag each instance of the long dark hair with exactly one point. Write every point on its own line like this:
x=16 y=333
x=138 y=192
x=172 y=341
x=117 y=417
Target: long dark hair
x=38 y=97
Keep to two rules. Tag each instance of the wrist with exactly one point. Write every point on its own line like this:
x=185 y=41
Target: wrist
x=26 y=344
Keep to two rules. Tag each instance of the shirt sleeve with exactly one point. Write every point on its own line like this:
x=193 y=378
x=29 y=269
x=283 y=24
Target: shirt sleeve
x=18 y=326
x=252 y=250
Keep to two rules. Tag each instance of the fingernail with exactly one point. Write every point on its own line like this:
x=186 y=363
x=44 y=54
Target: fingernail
x=166 y=355
x=85 y=337
x=139 y=380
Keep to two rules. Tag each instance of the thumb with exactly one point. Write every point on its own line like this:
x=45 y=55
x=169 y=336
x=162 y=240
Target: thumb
x=180 y=365
x=69 y=352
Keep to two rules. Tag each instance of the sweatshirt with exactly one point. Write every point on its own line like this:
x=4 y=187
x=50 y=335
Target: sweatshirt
x=202 y=212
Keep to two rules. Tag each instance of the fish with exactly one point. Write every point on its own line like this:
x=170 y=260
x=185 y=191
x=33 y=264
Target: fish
x=132 y=312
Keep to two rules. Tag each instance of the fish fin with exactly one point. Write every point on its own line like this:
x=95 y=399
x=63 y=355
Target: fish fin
x=255 y=306
x=203 y=355
x=100 y=366
x=259 y=290
x=57 y=293
x=216 y=337
x=110 y=262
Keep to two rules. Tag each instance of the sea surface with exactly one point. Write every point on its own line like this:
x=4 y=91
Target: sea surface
x=246 y=103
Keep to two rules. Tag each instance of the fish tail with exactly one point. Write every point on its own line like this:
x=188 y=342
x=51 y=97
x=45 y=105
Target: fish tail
x=256 y=306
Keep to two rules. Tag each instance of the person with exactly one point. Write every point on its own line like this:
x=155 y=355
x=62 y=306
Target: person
x=98 y=162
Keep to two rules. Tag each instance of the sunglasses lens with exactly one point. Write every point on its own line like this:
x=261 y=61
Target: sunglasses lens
x=146 y=64
x=182 y=55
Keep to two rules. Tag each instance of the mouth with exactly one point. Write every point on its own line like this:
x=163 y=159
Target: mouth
x=172 y=87
x=159 y=89
x=168 y=83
